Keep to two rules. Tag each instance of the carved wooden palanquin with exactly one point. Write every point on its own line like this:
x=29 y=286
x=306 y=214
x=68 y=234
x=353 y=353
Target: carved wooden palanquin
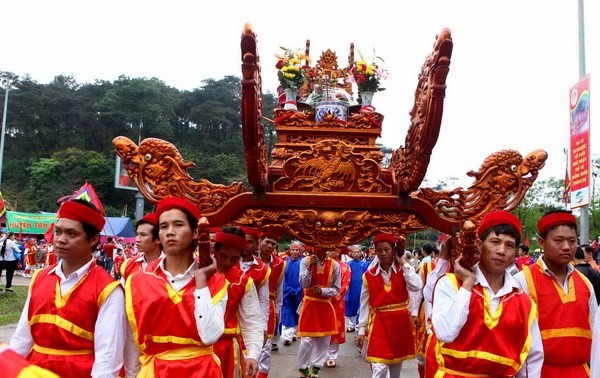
x=325 y=184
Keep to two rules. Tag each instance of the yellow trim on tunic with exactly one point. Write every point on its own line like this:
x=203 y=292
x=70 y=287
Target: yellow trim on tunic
x=61 y=352
x=106 y=292
x=442 y=371
x=176 y=296
x=490 y=320
x=33 y=371
x=35 y=274
x=61 y=300
x=131 y=314
x=220 y=294
x=62 y=323
x=482 y=356
x=147 y=360
x=566 y=332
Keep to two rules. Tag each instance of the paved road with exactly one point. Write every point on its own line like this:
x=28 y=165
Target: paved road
x=349 y=363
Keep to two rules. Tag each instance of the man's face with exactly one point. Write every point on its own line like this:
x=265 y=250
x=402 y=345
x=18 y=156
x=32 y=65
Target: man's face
x=143 y=238
x=295 y=252
x=252 y=245
x=497 y=252
x=334 y=254
x=267 y=245
x=70 y=240
x=175 y=233
x=560 y=245
x=385 y=253
x=212 y=239
x=356 y=254
x=227 y=257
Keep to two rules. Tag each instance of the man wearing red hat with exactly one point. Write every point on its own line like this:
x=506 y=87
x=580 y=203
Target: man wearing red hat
x=384 y=301
x=147 y=244
x=565 y=298
x=484 y=323
x=267 y=245
x=242 y=314
x=73 y=321
x=320 y=278
x=176 y=308
x=259 y=271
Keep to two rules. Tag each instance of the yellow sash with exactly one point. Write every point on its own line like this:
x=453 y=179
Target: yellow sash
x=147 y=360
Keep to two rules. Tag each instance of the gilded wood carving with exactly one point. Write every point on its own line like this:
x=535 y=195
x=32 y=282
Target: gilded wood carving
x=326 y=184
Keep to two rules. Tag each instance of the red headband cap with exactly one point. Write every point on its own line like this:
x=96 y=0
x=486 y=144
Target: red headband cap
x=269 y=235
x=151 y=218
x=231 y=240
x=555 y=219
x=178 y=203
x=251 y=231
x=384 y=238
x=498 y=217
x=81 y=213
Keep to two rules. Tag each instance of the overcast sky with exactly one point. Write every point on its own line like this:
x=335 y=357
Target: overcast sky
x=508 y=87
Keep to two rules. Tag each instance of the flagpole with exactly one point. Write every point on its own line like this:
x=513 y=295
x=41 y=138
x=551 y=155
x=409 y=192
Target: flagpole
x=584 y=217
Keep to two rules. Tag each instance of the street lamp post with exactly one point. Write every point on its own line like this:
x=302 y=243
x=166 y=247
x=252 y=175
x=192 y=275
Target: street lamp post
x=8 y=79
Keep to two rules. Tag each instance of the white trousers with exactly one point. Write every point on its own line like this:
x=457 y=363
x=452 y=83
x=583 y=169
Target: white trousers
x=313 y=351
x=288 y=333
x=385 y=370
x=264 y=358
x=332 y=352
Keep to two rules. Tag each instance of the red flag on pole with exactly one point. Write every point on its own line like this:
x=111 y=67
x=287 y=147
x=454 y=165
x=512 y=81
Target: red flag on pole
x=49 y=234
x=86 y=193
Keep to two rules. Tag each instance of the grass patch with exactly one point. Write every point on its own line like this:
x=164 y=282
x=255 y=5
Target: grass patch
x=11 y=304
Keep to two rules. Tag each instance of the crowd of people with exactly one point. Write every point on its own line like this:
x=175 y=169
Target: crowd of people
x=158 y=308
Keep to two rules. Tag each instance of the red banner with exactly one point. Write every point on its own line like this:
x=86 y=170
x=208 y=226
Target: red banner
x=579 y=110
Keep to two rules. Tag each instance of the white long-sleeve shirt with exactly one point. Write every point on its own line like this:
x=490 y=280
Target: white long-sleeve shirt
x=451 y=308
x=251 y=323
x=413 y=284
x=595 y=361
x=593 y=304
x=263 y=292
x=109 y=330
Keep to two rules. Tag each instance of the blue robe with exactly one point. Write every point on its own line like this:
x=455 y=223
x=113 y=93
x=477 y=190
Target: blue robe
x=292 y=292
x=352 y=298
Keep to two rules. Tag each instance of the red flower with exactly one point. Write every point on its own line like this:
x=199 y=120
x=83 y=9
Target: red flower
x=279 y=64
x=361 y=79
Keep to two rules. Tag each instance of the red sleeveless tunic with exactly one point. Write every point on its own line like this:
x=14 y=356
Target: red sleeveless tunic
x=317 y=316
x=489 y=344
x=389 y=311
x=564 y=321
x=62 y=326
x=164 y=327
x=277 y=270
x=228 y=348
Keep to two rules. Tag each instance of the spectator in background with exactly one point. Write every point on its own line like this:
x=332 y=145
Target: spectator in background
x=9 y=255
x=292 y=293
x=524 y=258
x=119 y=259
x=427 y=250
x=590 y=256
x=582 y=263
x=108 y=249
x=353 y=295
